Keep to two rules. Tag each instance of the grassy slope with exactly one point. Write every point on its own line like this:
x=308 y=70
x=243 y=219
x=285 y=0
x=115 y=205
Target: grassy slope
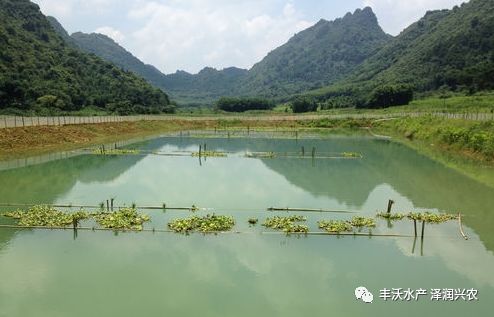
x=466 y=146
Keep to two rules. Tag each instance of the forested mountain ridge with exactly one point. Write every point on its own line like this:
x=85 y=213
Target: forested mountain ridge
x=107 y=49
x=317 y=56
x=40 y=72
x=447 y=49
x=207 y=86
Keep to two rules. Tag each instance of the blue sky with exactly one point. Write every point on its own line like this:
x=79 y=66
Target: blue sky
x=191 y=34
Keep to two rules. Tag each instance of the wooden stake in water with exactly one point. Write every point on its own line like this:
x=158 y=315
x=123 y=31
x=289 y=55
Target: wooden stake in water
x=107 y=205
x=303 y=151
x=423 y=229
x=112 y=203
x=415 y=226
x=200 y=150
x=390 y=205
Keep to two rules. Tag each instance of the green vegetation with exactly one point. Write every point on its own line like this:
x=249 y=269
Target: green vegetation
x=335 y=226
x=426 y=216
x=303 y=104
x=451 y=103
x=125 y=218
x=40 y=73
x=448 y=50
x=317 y=56
x=390 y=95
x=204 y=88
x=45 y=216
x=390 y=216
x=361 y=222
x=476 y=138
x=286 y=224
x=243 y=104
x=339 y=226
x=431 y=218
x=209 y=223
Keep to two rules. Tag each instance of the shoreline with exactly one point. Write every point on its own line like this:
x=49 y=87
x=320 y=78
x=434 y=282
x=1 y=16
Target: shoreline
x=20 y=143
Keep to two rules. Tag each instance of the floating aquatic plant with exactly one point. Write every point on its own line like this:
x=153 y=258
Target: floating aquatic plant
x=125 y=218
x=209 y=223
x=41 y=216
x=335 y=226
x=361 y=222
x=286 y=224
x=431 y=218
x=390 y=216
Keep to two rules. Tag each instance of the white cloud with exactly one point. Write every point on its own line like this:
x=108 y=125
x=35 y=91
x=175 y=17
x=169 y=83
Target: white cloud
x=115 y=34
x=61 y=9
x=189 y=36
x=396 y=15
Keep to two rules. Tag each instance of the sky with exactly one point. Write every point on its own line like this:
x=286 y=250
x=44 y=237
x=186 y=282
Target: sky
x=192 y=34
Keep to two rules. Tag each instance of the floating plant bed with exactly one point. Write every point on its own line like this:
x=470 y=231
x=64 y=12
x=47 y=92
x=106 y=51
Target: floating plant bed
x=46 y=216
x=340 y=226
x=207 y=224
x=427 y=217
x=126 y=218
x=287 y=224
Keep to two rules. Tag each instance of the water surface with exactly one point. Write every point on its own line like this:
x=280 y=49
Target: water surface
x=54 y=273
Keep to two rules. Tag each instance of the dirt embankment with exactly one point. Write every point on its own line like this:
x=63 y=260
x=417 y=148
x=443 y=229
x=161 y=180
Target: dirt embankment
x=27 y=141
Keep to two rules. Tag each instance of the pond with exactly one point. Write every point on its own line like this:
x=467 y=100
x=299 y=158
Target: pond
x=251 y=271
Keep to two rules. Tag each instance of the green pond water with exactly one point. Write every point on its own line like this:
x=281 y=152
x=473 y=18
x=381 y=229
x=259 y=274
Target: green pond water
x=251 y=273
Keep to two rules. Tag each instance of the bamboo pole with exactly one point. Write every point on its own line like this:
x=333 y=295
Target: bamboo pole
x=355 y=234
x=309 y=210
x=97 y=207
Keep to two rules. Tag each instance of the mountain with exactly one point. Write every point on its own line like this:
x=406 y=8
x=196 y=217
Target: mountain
x=453 y=49
x=40 y=72
x=317 y=56
x=205 y=87
x=61 y=31
x=107 y=49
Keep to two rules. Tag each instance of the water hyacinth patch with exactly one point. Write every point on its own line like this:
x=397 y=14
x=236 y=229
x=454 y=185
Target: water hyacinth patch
x=431 y=218
x=391 y=216
x=286 y=224
x=361 y=222
x=41 y=216
x=125 y=218
x=209 y=223
x=335 y=226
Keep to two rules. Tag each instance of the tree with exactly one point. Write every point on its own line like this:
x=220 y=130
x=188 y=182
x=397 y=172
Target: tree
x=390 y=95
x=243 y=104
x=303 y=104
